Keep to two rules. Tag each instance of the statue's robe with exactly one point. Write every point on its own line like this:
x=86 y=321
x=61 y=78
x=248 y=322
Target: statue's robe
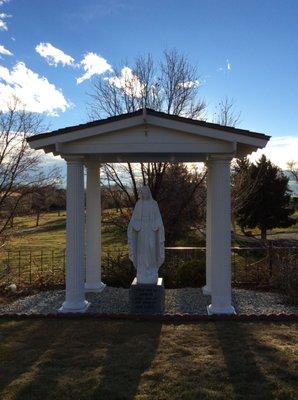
x=146 y=240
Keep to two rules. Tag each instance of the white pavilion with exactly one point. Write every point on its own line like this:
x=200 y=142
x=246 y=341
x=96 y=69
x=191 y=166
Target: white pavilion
x=145 y=136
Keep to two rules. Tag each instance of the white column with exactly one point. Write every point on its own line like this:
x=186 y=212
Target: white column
x=93 y=229
x=220 y=243
x=207 y=288
x=75 y=232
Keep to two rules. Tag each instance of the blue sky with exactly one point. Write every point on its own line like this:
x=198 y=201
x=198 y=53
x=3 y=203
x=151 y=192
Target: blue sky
x=246 y=50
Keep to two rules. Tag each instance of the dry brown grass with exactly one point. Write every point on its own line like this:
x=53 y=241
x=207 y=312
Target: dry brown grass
x=96 y=359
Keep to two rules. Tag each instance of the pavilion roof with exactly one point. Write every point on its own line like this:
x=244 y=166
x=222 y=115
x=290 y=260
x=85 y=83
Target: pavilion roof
x=149 y=111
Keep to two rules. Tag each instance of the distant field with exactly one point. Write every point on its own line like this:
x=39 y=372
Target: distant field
x=51 y=234
x=291 y=229
x=34 y=254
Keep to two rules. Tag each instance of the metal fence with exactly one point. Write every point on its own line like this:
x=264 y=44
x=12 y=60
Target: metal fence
x=250 y=265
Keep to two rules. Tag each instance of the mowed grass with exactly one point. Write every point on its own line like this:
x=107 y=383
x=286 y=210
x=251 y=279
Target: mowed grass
x=290 y=229
x=107 y=360
x=50 y=234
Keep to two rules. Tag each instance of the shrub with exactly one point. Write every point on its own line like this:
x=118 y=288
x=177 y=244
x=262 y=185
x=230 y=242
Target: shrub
x=185 y=273
x=117 y=270
x=285 y=272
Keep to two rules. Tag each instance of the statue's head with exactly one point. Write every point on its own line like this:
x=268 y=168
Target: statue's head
x=145 y=193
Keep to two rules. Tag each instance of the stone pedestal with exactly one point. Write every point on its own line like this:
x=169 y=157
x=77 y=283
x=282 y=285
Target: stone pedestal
x=147 y=298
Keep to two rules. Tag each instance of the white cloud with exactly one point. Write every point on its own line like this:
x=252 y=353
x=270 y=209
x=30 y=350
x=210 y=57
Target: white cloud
x=189 y=84
x=4 y=51
x=35 y=92
x=93 y=64
x=128 y=82
x=53 y=55
x=3 y=24
x=279 y=150
x=3 y=16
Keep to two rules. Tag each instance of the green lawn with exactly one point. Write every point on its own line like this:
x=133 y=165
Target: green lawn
x=50 y=235
x=291 y=229
x=37 y=253
x=107 y=360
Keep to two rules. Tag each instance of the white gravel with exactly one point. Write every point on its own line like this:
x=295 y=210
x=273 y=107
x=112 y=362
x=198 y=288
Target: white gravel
x=186 y=300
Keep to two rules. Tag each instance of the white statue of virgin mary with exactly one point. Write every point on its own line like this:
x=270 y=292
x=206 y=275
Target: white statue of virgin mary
x=146 y=238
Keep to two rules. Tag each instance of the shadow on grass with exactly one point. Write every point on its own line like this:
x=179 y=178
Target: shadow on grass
x=83 y=360
x=245 y=375
x=90 y=359
x=129 y=354
x=19 y=354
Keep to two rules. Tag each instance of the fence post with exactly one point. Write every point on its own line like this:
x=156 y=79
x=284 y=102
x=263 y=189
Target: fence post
x=233 y=265
x=246 y=274
x=270 y=258
x=41 y=261
x=8 y=261
x=52 y=262
x=19 y=268
x=64 y=254
x=30 y=268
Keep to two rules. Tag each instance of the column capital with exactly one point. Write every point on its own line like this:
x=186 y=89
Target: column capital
x=73 y=159
x=91 y=163
x=219 y=159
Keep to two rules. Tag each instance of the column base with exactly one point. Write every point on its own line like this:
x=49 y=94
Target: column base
x=206 y=290
x=96 y=288
x=211 y=310
x=80 y=307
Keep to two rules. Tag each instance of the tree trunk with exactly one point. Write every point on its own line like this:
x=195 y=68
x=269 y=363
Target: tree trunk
x=263 y=233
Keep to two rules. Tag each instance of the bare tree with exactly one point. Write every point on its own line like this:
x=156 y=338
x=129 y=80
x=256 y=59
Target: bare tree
x=20 y=171
x=172 y=86
x=293 y=169
x=226 y=113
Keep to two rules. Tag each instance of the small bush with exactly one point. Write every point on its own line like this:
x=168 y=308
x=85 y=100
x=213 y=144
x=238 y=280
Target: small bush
x=285 y=273
x=118 y=271
x=191 y=274
x=185 y=273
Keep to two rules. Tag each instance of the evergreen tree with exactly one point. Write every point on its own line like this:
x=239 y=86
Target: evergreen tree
x=261 y=196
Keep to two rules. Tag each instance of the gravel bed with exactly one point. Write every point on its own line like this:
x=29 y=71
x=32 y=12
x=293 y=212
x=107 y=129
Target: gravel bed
x=186 y=300
x=256 y=302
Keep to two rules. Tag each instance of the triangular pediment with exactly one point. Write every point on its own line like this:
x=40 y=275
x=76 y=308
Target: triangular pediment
x=151 y=132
